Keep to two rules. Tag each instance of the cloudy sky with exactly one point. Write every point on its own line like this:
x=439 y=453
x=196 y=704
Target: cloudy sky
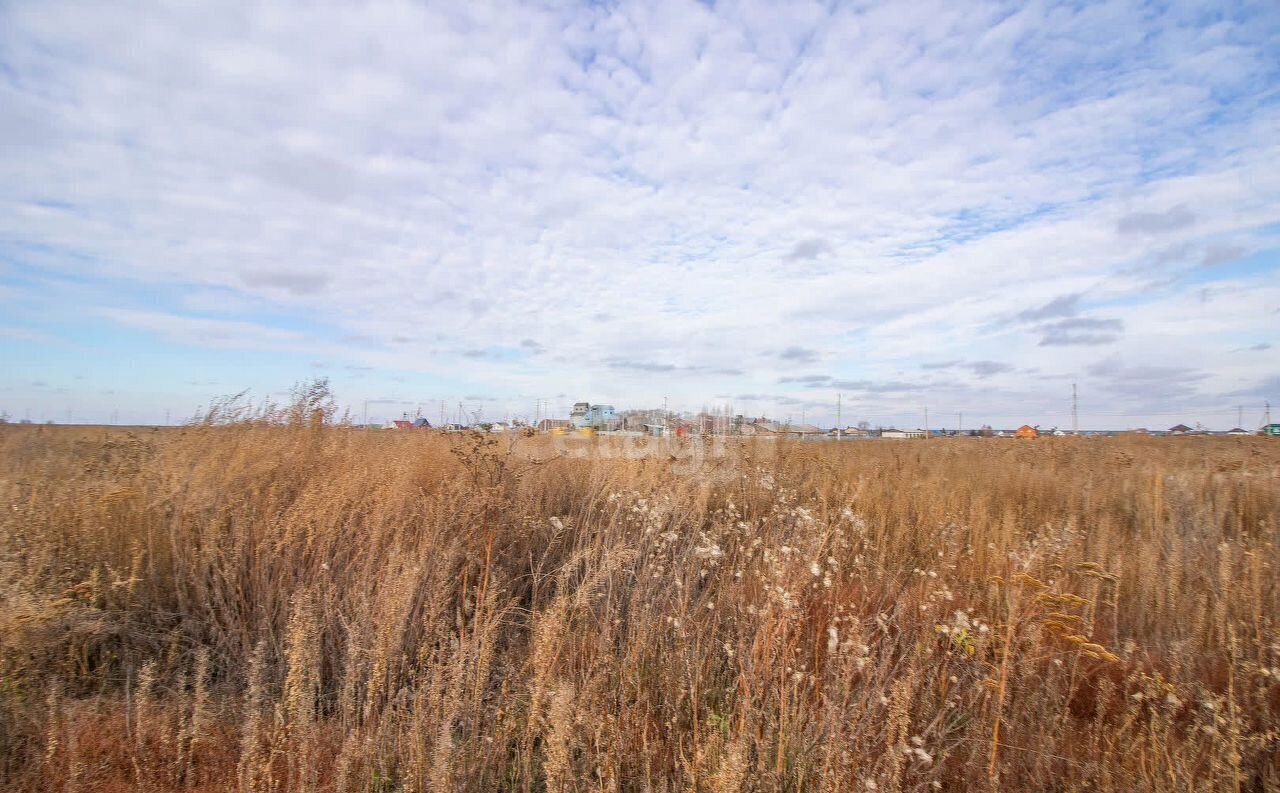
x=955 y=205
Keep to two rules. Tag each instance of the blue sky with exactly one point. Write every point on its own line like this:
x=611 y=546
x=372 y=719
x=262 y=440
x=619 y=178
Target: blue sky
x=964 y=206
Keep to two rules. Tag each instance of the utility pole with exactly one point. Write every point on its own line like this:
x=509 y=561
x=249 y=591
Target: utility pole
x=959 y=422
x=1266 y=415
x=1240 y=416
x=838 y=423
x=926 y=422
x=1075 y=412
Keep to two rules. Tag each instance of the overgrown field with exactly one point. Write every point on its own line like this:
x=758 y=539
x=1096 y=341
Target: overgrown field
x=264 y=608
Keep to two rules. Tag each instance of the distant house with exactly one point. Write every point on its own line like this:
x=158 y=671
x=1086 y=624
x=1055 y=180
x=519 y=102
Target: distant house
x=777 y=429
x=422 y=424
x=599 y=417
x=403 y=424
x=848 y=432
x=1237 y=431
x=1027 y=431
x=1271 y=429
x=760 y=427
x=802 y=430
x=898 y=434
x=1179 y=429
x=547 y=425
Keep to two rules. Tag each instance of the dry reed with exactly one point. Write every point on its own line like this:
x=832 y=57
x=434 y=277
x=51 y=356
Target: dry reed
x=290 y=605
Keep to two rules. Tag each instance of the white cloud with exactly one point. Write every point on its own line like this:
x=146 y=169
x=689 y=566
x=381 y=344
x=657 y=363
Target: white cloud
x=23 y=335
x=208 y=331
x=886 y=185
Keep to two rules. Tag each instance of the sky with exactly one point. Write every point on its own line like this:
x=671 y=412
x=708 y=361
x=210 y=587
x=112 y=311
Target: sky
x=959 y=207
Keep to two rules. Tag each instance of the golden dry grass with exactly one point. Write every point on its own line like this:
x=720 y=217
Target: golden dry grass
x=279 y=608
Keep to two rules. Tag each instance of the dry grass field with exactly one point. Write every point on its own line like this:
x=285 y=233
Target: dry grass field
x=311 y=608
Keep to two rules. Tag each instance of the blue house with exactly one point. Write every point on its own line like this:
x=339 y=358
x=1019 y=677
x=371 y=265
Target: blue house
x=601 y=417
x=597 y=417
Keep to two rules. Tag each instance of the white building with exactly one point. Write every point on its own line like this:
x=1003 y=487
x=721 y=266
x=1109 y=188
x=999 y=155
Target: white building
x=901 y=434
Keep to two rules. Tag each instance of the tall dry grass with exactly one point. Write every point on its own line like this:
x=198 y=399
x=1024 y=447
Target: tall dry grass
x=304 y=607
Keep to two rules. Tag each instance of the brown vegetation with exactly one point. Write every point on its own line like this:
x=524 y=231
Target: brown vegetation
x=306 y=607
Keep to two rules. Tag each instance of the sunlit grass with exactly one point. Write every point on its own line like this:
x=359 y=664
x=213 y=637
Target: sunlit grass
x=291 y=606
